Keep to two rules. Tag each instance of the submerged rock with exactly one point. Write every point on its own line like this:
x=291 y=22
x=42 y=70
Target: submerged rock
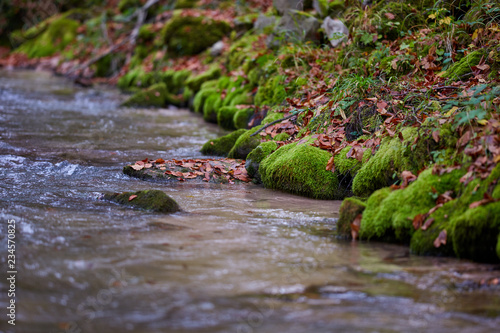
x=152 y=200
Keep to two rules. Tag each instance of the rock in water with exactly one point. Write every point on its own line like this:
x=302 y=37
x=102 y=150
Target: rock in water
x=152 y=200
x=335 y=30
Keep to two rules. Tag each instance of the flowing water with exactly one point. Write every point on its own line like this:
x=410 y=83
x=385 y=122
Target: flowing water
x=239 y=258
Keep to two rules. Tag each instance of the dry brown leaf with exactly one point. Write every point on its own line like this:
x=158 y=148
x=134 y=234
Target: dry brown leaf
x=441 y=239
x=355 y=225
x=427 y=223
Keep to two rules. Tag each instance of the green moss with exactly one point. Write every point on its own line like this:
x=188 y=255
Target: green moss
x=281 y=137
x=245 y=144
x=349 y=209
x=243 y=98
x=125 y=5
x=211 y=106
x=272 y=116
x=369 y=220
x=152 y=200
x=146 y=32
x=189 y=35
x=242 y=117
x=256 y=156
x=59 y=33
x=406 y=17
x=194 y=82
x=181 y=4
x=389 y=161
x=200 y=97
x=156 y=95
x=463 y=68
x=392 y=219
x=241 y=51
x=475 y=233
x=300 y=169
x=347 y=166
x=221 y=146
x=225 y=117
x=271 y=93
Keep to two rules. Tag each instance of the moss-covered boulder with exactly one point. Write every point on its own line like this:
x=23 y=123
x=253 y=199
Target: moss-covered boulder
x=56 y=34
x=463 y=68
x=349 y=210
x=245 y=144
x=256 y=156
x=225 y=117
x=393 y=157
x=222 y=145
x=300 y=169
x=211 y=107
x=242 y=117
x=194 y=82
x=200 y=98
x=271 y=93
x=190 y=35
x=155 y=96
x=151 y=200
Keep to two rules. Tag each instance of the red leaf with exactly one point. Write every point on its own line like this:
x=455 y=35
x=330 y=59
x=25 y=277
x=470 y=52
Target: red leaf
x=418 y=220
x=132 y=197
x=160 y=161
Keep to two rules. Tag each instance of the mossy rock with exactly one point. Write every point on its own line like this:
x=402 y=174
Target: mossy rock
x=245 y=144
x=390 y=160
x=349 y=166
x=225 y=117
x=151 y=200
x=200 y=97
x=422 y=241
x=59 y=32
x=463 y=68
x=155 y=96
x=211 y=106
x=391 y=219
x=194 y=82
x=300 y=169
x=476 y=232
x=256 y=156
x=272 y=116
x=222 y=145
x=242 y=117
x=349 y=210
x=190 y=35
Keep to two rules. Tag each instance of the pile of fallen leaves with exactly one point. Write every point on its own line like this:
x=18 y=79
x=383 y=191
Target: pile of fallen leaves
x=208 y=170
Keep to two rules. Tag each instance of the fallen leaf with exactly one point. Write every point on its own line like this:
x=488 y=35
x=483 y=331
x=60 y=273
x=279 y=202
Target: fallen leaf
x=435 y=135
x=427 y=223
x=408 y=177
x=355 y=225
x=486 y=200
x=390 y=16
x=132 y=197
x=418 y=220
x=137 y=167
x=330 y=166
x=160 y=161
x=464 y=139
x=441 y=239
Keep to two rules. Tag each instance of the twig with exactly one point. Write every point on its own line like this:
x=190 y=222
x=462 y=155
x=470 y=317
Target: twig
x=272 y=123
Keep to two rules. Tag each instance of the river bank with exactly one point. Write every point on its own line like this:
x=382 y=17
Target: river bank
x=401 y=113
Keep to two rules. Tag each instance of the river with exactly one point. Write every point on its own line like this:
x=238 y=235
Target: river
x=239 y=258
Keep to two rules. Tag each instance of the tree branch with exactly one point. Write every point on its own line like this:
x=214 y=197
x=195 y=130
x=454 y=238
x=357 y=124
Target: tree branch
x=272 y=123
